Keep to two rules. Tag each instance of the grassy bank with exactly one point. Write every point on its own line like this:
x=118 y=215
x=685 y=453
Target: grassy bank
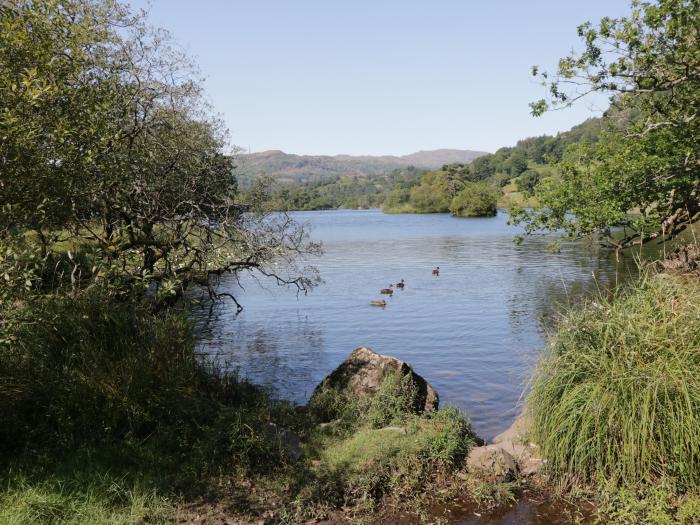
x=111 y=417
x=616 y=402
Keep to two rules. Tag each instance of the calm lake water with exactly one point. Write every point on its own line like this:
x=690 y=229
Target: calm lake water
x=474 y=332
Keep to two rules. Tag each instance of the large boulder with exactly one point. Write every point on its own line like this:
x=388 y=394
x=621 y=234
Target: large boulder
x=364 y=371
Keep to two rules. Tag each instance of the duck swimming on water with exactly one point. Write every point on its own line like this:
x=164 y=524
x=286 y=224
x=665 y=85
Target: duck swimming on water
x=381 y=303
x=387 y=291
x=436 y=271
x=400 y=284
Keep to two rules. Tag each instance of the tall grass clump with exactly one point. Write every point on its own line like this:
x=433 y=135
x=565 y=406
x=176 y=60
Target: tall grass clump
x=91 y=372
x=617 y=395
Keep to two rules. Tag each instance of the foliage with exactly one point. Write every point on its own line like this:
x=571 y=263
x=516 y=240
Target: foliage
x=111 y=416
x=658 y=504
x=411 y=190
x=517 y=163
x=527 y=181
x=616 y=397
x=428 y=197
x=380 y=447
x=372 y=463
x=346 y=191
x=396 y=396
x=433 y=192
x=91 y=372
x=525 y=164
x=108 y=145
x=645 y=174
x=475 y=200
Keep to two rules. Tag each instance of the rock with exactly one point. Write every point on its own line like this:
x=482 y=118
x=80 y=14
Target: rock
x=363 y=372
x=527 y=457
x=517 y=431
x=515 y=442
x=492 y=462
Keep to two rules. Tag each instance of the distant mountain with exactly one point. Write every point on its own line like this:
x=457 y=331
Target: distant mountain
x=294 y=168
x=436 y=158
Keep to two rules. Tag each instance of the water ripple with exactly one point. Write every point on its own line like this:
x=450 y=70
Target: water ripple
x=474 y=332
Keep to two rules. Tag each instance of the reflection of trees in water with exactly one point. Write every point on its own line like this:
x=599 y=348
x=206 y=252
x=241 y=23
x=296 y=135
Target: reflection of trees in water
x=264 y=352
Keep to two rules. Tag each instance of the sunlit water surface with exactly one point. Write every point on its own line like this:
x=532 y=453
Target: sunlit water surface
x=474 y=332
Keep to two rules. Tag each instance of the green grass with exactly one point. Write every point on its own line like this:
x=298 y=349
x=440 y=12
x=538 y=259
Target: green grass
x=515 y=198
x=363 y=465
x=617 y=395
x=109 y=416
x=101 y=499
x=658 y=504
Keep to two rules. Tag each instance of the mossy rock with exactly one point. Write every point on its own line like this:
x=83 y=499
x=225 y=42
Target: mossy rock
x=360 y=377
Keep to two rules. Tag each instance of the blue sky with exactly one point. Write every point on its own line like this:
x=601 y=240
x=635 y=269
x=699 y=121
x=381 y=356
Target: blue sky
x=383 y=76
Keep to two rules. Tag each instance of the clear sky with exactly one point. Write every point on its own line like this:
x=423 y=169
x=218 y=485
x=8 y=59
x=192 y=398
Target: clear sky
x=383 y=76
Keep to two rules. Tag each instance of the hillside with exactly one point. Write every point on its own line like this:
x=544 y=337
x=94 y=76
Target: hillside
x=297 y=168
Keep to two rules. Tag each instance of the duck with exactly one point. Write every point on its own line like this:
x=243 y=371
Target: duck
x=400 y=284
x=387 y=291
x=436 y=270
x=381 y=303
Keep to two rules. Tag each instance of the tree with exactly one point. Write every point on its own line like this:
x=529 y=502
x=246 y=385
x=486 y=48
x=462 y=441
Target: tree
x=109 y=147
x=481 y=168
x=527 y=181
x=517 y=163
x=475 y=200
x=428 y=199
x=644 y=173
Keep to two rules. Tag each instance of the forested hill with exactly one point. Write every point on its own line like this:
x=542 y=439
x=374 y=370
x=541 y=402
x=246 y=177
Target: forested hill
x=299 y=168
x=512 y=173
x=404 y=184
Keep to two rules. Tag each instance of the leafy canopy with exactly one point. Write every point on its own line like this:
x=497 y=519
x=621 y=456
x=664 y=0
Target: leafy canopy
x=644 y=171
x=114 y=168
x=477 y=199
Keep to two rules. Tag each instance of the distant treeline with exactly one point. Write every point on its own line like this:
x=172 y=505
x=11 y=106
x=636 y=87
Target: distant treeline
x=505 y=177
x=337 y=191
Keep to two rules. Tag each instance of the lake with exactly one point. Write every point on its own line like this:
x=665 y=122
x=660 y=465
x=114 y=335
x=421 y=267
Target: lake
x=474 y=332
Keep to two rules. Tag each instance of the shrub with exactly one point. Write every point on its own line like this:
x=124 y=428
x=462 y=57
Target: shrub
x=527 y=182
x=617 y=395
x=396 y=397
x=428 y=199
